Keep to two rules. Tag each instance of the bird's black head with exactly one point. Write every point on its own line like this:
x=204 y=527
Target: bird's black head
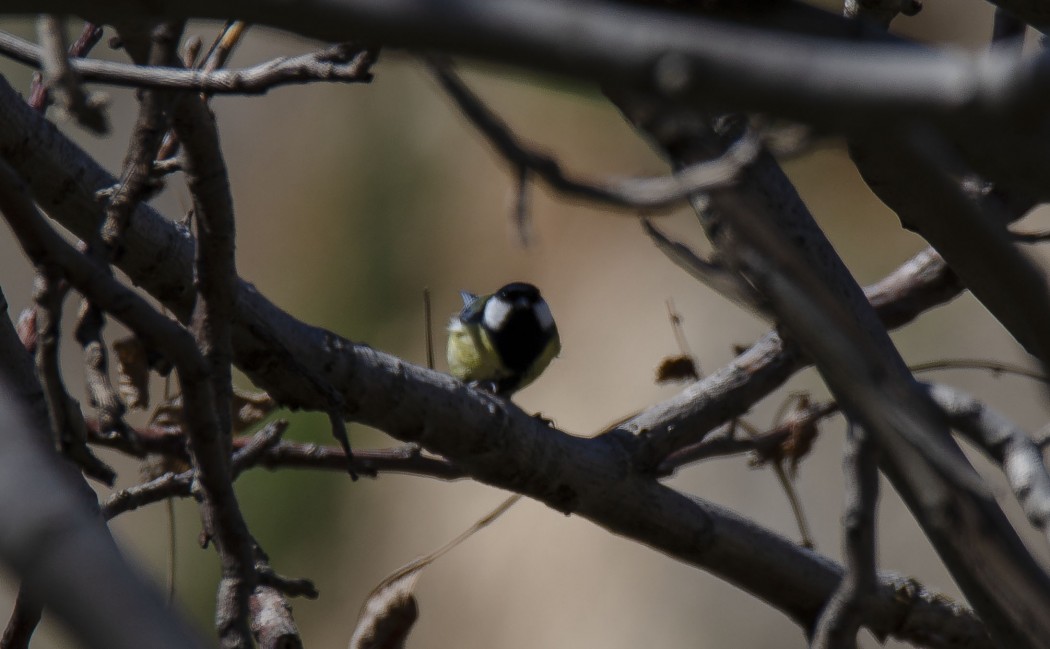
x=519 y=323
x=516 y=290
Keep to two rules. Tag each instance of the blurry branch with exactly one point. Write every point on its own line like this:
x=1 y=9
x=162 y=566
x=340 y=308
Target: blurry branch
x=1031 y=237
x=269 y=613
x=39 y=95
x=836 y=82
x=713 y=274
x=54 y=540
x=346 y=63
x=407 y=459
x=1008 y=32
x=1020 y=459
x=62 y=79
x=628 y=192
x=880 y=12
x=995 y=367
x=967 y=229
x=66 y=419
x=843 y=616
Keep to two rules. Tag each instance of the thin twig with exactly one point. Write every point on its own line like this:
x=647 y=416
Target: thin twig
x=787 y=485
x=996 y=367
x=343 y=63
x=180 y=484
x=67 y=421
x=62 y=79
x=210 y=323
x=843 y=616
x=39 y=96
x=713 y=274
x=428 y=328
x=648 y=193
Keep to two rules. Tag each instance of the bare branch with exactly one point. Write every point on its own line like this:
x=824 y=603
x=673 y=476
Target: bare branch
x=172 y=485
x=39 y=96
x=712 y=274
x=836 y=82
x=630 y=192
x=343 y=63
x=67 y=421
x=210 y=323
x=1010 y=447
x=843 y=616
x=61 y=78
x=407 y=459
x=968 y=230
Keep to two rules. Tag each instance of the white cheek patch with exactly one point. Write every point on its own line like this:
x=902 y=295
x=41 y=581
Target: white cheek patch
x=543 y=315
x=496 y=312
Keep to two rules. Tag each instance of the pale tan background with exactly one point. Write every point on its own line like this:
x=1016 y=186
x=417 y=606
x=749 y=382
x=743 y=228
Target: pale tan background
x=350 y=199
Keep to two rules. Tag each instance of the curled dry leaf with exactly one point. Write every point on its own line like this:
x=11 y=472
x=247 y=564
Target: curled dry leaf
x=168 y=415
x=792 y=438
x=677 y=368
x=388 y=613
x=132 y=372
x=250 y=408
x=802 y=431
x=26 y=329
x=391 y=609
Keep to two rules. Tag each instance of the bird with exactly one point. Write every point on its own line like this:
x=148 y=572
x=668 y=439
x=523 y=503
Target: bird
x=503 y=341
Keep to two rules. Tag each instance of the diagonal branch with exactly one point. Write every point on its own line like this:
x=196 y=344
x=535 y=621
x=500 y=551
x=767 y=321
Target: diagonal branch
x=630 y=192
x=1011 y=448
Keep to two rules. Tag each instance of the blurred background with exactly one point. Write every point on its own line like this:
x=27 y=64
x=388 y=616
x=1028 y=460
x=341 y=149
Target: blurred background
x=352 y=199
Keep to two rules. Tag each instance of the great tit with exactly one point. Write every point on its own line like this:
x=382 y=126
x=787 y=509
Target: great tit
x=503 y=341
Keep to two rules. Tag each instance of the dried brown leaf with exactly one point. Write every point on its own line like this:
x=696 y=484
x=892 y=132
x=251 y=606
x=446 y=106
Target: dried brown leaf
x=249 y=409
x=677 y=368
x=168 y=415
x=26 y=329
x=132 y=372
x=388 y=613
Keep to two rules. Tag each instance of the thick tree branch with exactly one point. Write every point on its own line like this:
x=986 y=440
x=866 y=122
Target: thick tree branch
x=51 y=525
x=968 y=230
x=825 y=80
